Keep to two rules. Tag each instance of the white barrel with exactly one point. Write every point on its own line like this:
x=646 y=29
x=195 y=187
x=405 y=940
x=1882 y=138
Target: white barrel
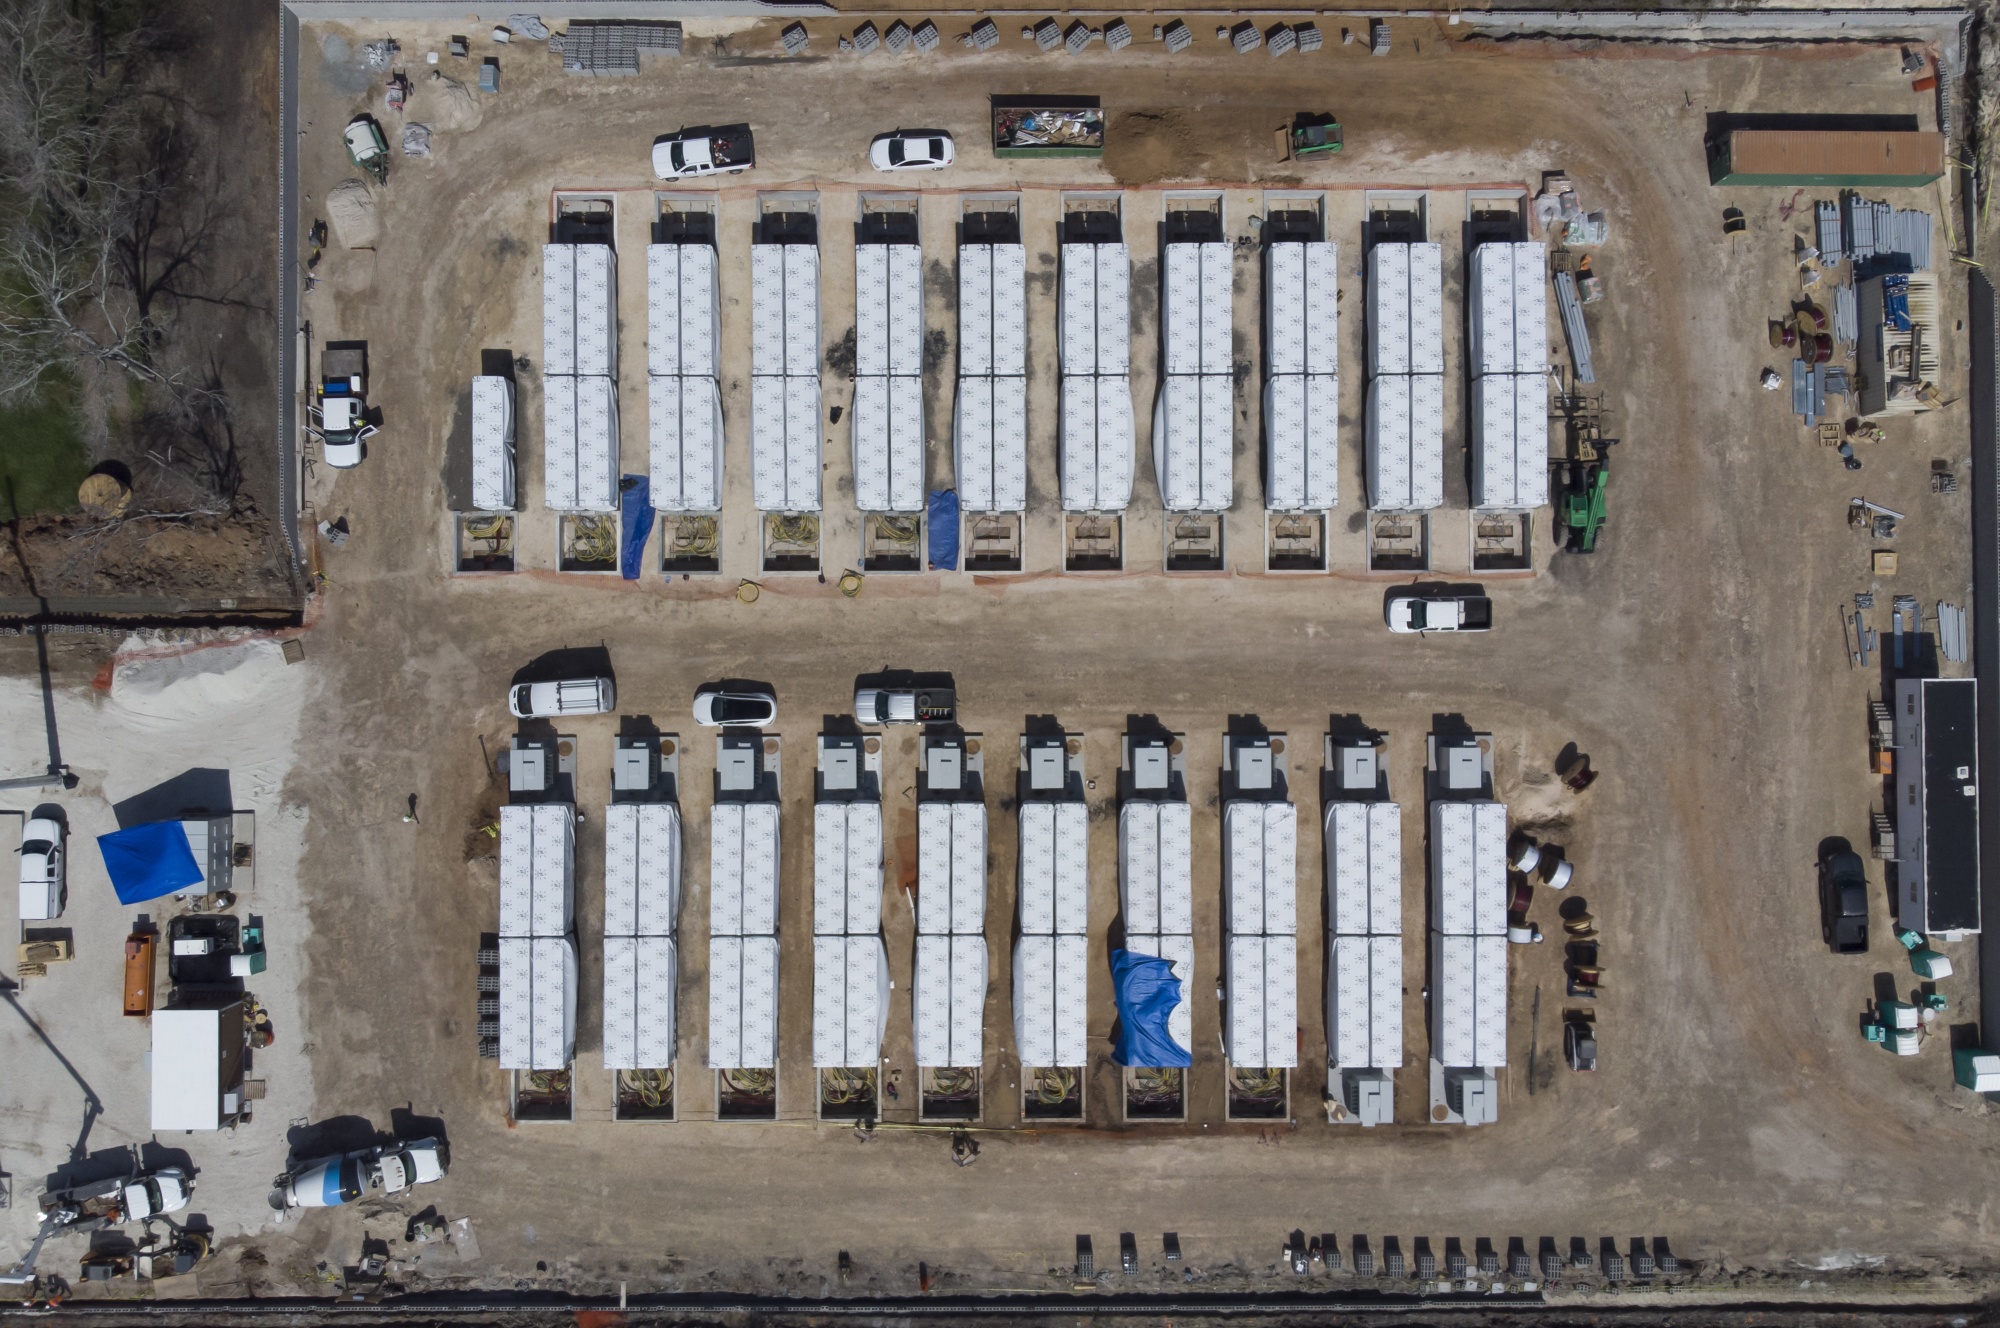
x=1559 y=878
x=1527 y=856
x=1521 y=935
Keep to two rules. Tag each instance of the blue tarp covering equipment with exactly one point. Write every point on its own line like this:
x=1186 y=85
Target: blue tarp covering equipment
x=147 y=861
x=635 y=518
x=1147 y=992
x=944 y=530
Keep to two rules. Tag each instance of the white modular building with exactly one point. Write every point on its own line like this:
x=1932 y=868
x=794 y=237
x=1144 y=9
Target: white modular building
x=492 y=443
x=684 y=394
x=888 y=310
x=684 y=417
x=948 y=1005
x=850 y=999
x=1405 y=309
x=1194 y=439
x=951 y=870
x=1405 y=437
x=1195 y=309
x=888 y=437
x=1469 y=868
x=639 y=989
x=1302 y=392
x=1097 y=433
x=1260 y=858
x=743 y=869
x=990 y=416
x=1364 y=868
x=847 y=868
x=1261 y=1008
x=742 y=1002
x=642 y=879
x=579 y=310
x=1364 y=1002
x=1055 y=869
x=537 y=869
x=683 y=311
x=580 y=444
x=1155 y=861
x=538 y=979
x=1510 y=442
x=1051 y=1005
x=1469 y=1001
x=1468 y=1010
x=785 y=439
x=1509 y=313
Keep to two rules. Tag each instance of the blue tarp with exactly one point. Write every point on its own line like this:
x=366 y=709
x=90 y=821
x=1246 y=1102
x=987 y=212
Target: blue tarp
x=1147 y=992
x=635 y=518
x=944 y=530
x=147 y=861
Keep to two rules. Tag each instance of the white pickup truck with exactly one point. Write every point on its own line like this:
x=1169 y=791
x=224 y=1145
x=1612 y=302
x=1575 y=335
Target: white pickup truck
x=706 y=150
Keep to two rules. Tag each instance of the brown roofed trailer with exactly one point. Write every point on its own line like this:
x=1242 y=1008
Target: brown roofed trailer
x=1832 y=157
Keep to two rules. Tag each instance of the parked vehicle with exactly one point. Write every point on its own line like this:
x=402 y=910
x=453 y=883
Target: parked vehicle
x=44 y=870
x=343 y=403
x=706 y=150
x=142 y=1195
x=1580 y=1046
x=905 y=705
x=1431 y=609
x=571 y=696
x=1843 y=901
x=912 y=150
x=715 y=707
x=366 y=147
x=1314 y=134
x=329 y=1182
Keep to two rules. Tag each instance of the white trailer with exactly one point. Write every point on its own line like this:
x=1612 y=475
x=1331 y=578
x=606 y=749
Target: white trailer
x=847 y=868
x=1051 y=1004
x=493 y=443
x=888 y=311
x=537 y=869
x=948 y=1005
x=887 y=430
x=742 y=1002
x=1510 y=442
x=1405 y=436
x=580 y=444
x=850 y=999
x=1406 y=309
x=990 y=429
x=785 y=444
x=1509 y=314
x=1469 y=1002
x=1364 y=868
x=951 y=870
x=1302 y=442
x=743 y=870
x=538 y=978
x=1055 y=870
x=784 y=310
x=1194 y=440
x=684 y=419
x=1261 y=1008
x=197 y=1067
x=1260 y=856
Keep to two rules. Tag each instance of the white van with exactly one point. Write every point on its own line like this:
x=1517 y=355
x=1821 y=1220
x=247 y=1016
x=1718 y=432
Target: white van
x=572 y=696
x=493 y=443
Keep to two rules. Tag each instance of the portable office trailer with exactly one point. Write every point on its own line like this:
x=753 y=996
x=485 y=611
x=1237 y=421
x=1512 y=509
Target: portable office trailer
x=197 y=1066
x=1260 y=859
x=642 y=868
x=1406 y=309
x=580 y=444
x=948 y=1003
x=537 y=869
x=1155 y=866
x=990 y=430
x=1195 y=309
x=1827 y=158
x=742 y=1002
x=847 y=868
x=1302 y=308
x=951 y=870
x=684 y=418
x=1469 y=868
x=1096 y=310
x=538 y=976
x=1405 y=433
x=1194 y=440
x=493 y=443
x=1051 y=1005
x=1097 y=443
x=1261 y=1009
x=1302 y=443
x=887 y=429
x=683 y=311
x=743 y=870
x=1364 y=868
x=1509 y=313
x=1055 y=871
x=1364 y=1002
x=850 y=999
x=992 y=311
x=1510 y=442
x=1937 y=805
x=639 y=1002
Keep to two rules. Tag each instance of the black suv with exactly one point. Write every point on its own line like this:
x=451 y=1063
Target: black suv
x=1843 y=901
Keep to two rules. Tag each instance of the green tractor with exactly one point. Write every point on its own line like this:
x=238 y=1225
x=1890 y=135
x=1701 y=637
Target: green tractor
x=1581 y=508
x=1314 y=134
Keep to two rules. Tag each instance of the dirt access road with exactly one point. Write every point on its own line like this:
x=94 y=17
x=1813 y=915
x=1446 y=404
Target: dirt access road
x=1698 y=659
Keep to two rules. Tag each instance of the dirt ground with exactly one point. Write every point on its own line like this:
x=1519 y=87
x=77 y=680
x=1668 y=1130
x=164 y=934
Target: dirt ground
x=1698 y=658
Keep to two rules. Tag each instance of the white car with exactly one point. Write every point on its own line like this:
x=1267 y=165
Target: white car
x=911 y=150
x=343 y=428
x=716 y=708
x=44 y=883
x=572 y=696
